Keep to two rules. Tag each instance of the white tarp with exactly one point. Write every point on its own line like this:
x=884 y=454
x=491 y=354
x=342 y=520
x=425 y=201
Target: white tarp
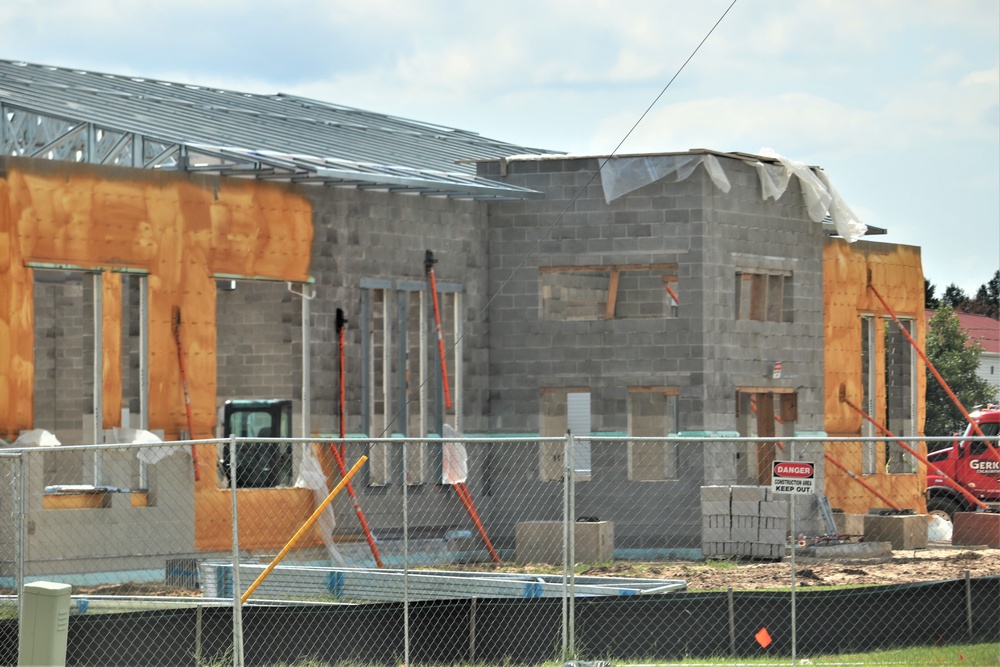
x=619 y=176
x=311 y=477
x=148 y=455
x=454 y=458
x=38 y=437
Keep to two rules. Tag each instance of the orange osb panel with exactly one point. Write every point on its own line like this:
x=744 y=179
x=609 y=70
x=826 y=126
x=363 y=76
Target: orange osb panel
x=179 y=228
x=906 y=490
x=16 y=320
x=897 y=273
x=268 y=518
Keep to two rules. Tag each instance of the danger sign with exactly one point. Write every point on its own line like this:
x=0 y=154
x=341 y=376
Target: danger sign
x=793 y=477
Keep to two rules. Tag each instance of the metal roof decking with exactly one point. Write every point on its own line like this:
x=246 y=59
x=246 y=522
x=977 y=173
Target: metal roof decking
x=83 y=116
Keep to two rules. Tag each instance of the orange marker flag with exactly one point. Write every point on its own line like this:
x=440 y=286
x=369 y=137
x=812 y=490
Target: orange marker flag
x=763 y=637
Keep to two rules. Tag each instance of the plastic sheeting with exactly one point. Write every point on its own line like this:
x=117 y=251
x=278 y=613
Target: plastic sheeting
x=454 y=458
x=312 y=477
x=148 y=455
x=38 y=437
x=821 y=198
x=619 y=176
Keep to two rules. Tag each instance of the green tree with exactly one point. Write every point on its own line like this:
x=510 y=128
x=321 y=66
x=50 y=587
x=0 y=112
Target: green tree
x=987 y=301
x=930 y=301
x=954 y=296
x=956 y=359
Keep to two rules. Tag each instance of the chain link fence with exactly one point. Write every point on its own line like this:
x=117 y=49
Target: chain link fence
x=491 y=551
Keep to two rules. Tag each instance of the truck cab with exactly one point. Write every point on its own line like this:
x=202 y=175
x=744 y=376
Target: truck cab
x=970 y=464
x=258 y=464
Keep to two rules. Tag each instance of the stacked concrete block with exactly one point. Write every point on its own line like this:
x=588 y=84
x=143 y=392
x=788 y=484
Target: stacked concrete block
x=743 y=521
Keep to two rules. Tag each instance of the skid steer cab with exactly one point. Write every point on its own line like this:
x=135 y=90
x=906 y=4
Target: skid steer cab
x=259 y=465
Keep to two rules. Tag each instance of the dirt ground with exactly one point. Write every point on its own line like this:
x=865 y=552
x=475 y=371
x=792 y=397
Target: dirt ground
x=931 y=564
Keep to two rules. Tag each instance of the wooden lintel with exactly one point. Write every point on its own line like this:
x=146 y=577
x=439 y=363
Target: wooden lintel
x=607 y=268
x=765 y=390
x=609 y=307
x=666 y=391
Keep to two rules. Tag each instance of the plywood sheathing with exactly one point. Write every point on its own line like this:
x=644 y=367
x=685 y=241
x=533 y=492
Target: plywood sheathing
x=180 y=230
x=16 y=326
x=897 y=274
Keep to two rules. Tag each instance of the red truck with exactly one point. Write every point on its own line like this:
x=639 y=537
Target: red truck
x=969 y=463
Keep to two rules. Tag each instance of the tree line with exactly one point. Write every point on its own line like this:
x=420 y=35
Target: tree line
x=986 y=302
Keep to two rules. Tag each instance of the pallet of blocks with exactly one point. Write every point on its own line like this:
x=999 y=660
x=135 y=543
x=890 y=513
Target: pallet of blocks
x=743 y=522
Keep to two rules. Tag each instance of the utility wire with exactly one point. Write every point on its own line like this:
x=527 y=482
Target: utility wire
x=572 y=202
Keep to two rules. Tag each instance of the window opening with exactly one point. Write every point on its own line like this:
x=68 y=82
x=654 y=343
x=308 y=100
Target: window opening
x=652 y=413
x=402 y=393
x=764 y=296
x=869 y=463
x=900 y=406
x=764 y=414
x=627 y=291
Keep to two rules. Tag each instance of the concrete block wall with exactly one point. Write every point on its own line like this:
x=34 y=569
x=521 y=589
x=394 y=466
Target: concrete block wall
x=704 y=352
x=741 y=231
x=651 y=225
x=377 y=235
x=258 y=341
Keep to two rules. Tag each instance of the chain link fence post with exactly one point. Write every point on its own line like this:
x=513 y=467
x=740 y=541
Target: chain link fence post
x=238 y=656
x=406 y=557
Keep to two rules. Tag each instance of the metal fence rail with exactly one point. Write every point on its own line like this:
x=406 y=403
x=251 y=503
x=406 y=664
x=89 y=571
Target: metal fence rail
x=520 y=549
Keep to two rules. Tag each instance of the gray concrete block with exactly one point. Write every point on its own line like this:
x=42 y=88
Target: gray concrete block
x=772 y=536
x=745 y=508
x=716 y=493
x=773 y=509
x=711 y=507
x=715 y=534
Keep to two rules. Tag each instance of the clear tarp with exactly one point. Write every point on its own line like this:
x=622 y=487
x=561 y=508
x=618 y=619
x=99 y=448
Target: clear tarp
x=619 y=176
x=454 y=458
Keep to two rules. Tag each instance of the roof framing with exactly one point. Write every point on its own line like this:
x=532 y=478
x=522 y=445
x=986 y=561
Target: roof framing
x=79 y=116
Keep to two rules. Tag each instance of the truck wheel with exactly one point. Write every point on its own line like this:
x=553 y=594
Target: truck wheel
x=943 y=507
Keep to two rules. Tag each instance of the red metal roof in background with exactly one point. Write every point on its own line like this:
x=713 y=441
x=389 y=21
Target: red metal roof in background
x=979 y=327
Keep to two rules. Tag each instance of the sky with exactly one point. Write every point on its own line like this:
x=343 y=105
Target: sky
x=898 y=100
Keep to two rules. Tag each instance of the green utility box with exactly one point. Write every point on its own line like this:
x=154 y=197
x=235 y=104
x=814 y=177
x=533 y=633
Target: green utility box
x=44 y=624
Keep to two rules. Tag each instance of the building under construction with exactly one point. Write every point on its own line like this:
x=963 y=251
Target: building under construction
x=700 y=293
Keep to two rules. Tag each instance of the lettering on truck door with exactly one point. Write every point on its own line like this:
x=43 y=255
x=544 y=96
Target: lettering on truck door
x=977 y=468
